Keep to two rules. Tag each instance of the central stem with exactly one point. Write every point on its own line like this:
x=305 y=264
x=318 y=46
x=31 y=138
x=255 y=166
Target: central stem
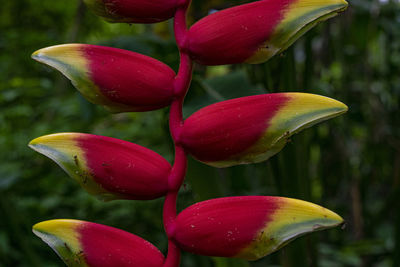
x=178 y=171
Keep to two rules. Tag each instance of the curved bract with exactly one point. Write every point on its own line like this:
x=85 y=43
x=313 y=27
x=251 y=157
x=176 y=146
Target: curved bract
x=248 y=227
x=255 y=32
x=134 y=11
x=254 y=128
x=80 y=243
x=106 y=167
x=238 y=131
x=117 y=79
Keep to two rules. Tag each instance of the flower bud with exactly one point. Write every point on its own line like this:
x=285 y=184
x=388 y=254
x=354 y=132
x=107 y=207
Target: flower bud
x=256 y=31
x=106 y=167
x=248 y=227
x=80 y=243
x=254 y=128
x=117 y=79
x=134 y=11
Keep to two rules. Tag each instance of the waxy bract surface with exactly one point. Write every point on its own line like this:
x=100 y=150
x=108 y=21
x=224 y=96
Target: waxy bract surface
x=118 y=79
x=254 y=128
x=107 y=167
x=80 y=243
x=256 y=31
x=248 y=227
x=244 y=130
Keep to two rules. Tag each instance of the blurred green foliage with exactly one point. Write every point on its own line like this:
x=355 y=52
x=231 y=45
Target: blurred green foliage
x=350 y=164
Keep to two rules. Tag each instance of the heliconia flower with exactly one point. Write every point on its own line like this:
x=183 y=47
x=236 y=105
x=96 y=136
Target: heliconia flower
x=134 y=11
x=256 y=31
x=118 y=79
x=80 y=243
x=106 y=167
x=252 y=129
x=248 y=227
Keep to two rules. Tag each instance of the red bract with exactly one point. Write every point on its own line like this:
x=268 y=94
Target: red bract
x=248 y=227
x=256 y=31
x=134 y=11
x=118 y=79
x=80 y=243
x=252 y=129
x=107 y=167
x=244 y=130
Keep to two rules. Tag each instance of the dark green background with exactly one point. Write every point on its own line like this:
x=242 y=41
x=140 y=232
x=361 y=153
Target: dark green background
x=350 y=164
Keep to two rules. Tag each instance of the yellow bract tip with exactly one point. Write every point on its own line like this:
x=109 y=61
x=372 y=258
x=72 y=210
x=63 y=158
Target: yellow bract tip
x=51 y=138
x=299 y=17
x=300 y=111
x=60 y=57
x=304 y=210
x=305 y=110
x=56 y=226
x=62 y=236
x=58 y=232
x=35 y=54
x=292 y=219
x=53 y=145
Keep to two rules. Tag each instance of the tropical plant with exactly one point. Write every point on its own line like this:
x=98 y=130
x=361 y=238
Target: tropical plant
x=237 y=131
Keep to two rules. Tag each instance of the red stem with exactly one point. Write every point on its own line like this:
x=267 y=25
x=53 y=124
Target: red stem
x=177 y=175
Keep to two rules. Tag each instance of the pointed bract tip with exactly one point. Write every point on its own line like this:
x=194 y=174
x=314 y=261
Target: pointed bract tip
x=303 y=15
x=293 y=219
x=253 y=129
x=103 y=75
x=53 y=226
x=51 y=137
x=62 y=236
x=41 y=57
x=81 y=243
x=35 y=55
x=62 y=58
x=36 y=141
x=55 y=51
x=305 y=110
x=312 y=211
x=106 y=167
x=50 y=140
x=341 y=5
x=260 y=30
x=248 y=227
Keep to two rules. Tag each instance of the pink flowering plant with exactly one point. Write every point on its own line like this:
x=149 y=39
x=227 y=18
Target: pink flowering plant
x=237 y=131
